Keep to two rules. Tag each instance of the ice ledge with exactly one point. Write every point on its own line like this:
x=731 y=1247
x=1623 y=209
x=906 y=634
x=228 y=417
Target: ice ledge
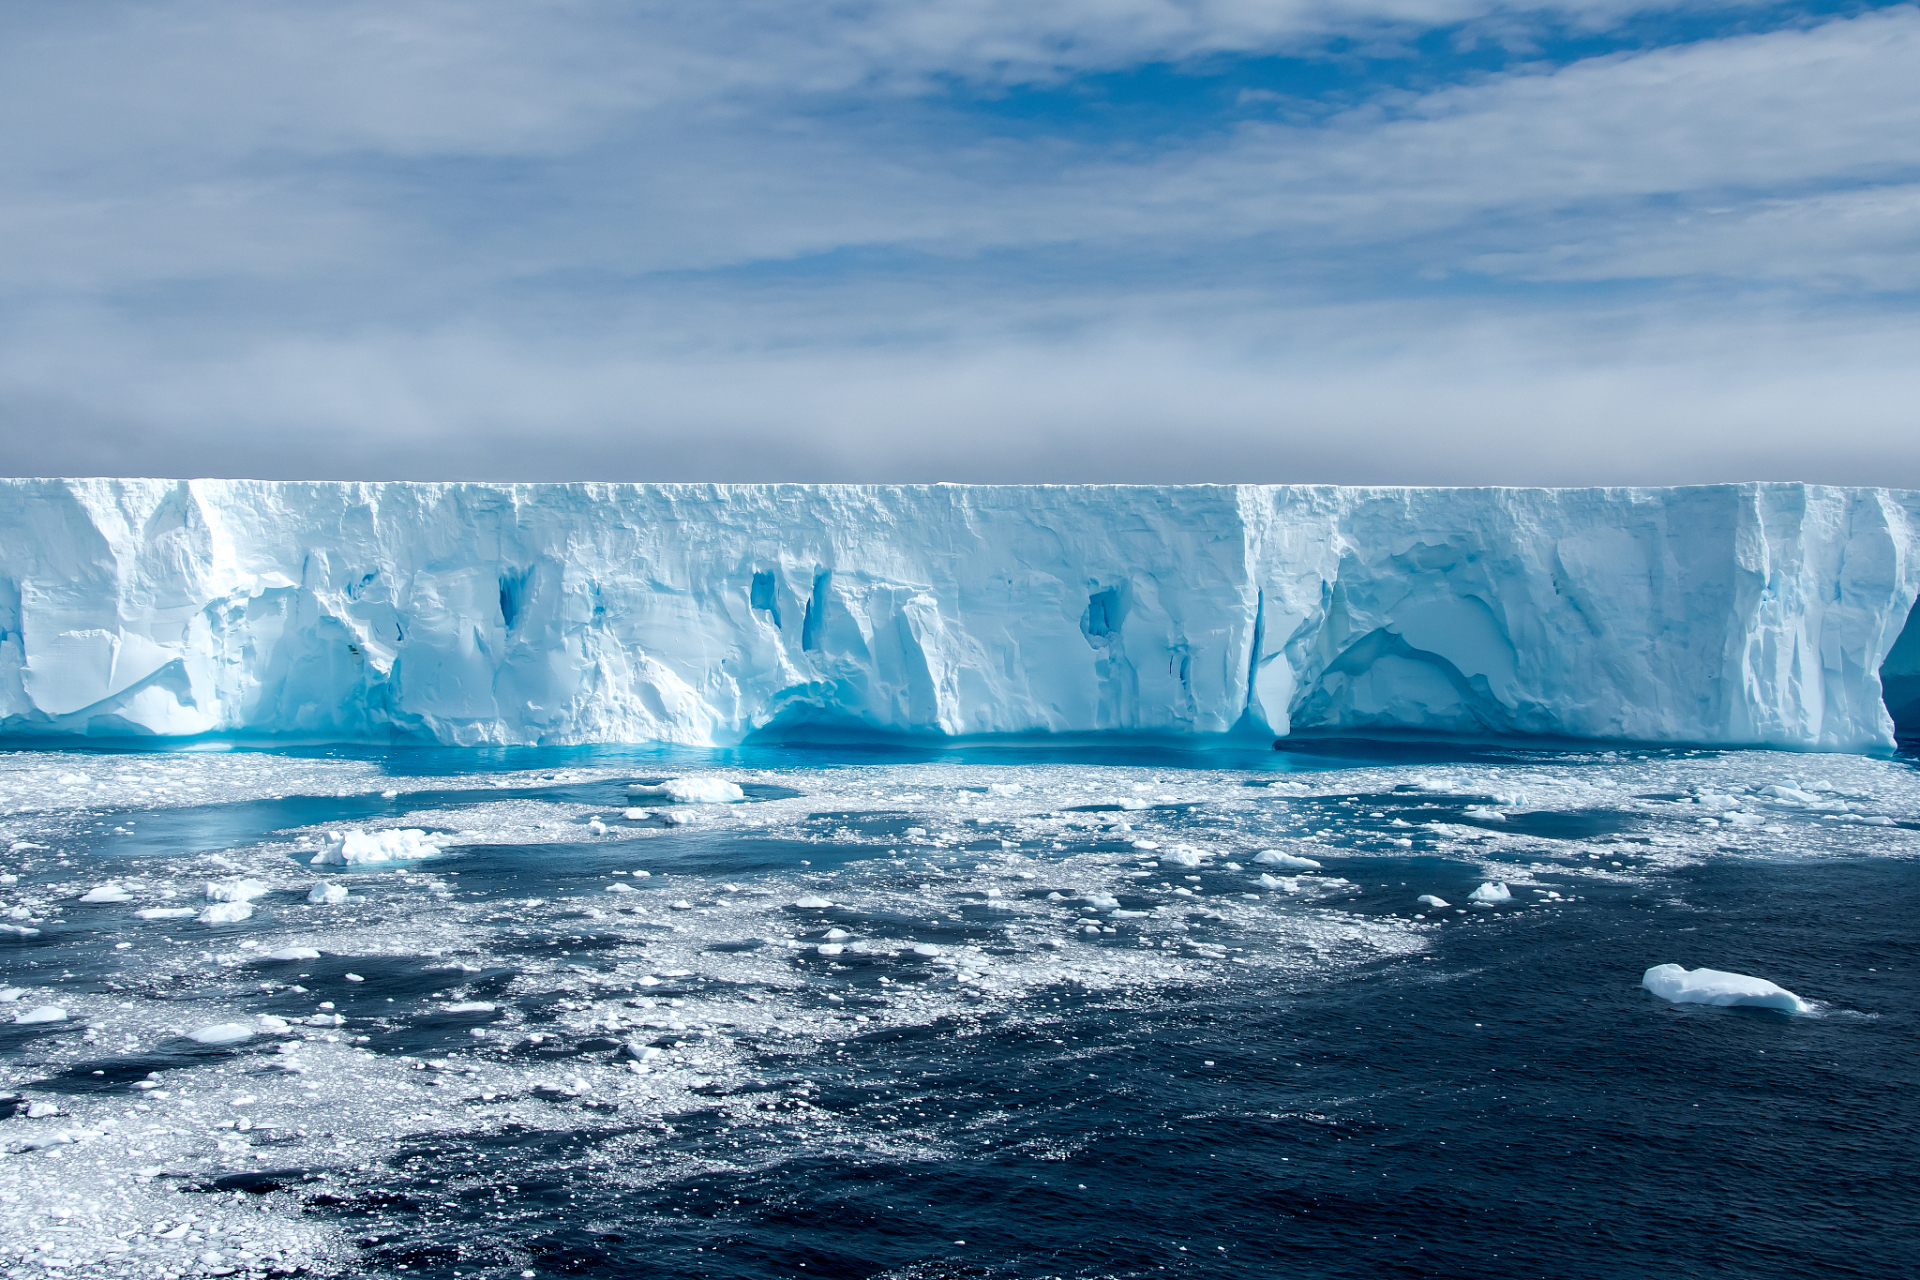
x=561 y=613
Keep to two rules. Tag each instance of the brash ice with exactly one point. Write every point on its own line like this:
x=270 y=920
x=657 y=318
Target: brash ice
x=566 y=613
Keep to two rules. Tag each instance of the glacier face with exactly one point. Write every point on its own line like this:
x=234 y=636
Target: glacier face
x=558 y=613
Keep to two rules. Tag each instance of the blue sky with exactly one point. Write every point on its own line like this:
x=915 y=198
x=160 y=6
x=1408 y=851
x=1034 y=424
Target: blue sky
x=1363 y=241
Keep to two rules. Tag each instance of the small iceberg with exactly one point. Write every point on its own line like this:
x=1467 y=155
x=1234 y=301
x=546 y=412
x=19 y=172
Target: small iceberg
x=45 y=1013
x=691 y=791
x=326 y=895
x=354 y=847
x=1275 y=858
x=227 y=913
x=292 y=953
x=1678 y=985
x=1182 y=856
x=1491 y=891
x=109 y=892
x=222 y=1033
x=166 y=913
x=1434 y=900
x=235 y=890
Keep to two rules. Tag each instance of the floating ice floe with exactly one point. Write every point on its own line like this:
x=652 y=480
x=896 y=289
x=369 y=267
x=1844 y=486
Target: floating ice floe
x=292 y=953
x=109 y=892
x=355 y=847
x=1285 y=885
x=227 y=913
x=45 y=1013
x=1181 y=856
x=166 y=913
x=235 y=890
x=701 y=790
x=1675 y=983
x=1275 y=858
x=621 y=888
x=326 y=895
x=1433 y=900
x=812 y=902
x=221 y=1033
x=1491 y=891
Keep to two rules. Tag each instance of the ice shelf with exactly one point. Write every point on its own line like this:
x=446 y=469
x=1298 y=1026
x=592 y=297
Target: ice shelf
x=558 y=613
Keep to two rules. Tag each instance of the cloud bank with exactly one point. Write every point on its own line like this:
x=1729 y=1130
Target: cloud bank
x=1447 y=242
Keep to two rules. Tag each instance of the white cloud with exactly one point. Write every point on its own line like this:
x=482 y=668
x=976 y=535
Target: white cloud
x=729 y=241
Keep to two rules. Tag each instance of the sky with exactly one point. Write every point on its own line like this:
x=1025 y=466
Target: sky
x=1144 y=241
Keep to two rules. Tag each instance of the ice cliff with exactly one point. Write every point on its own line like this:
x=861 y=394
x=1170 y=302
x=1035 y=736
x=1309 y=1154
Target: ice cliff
x=480 y=613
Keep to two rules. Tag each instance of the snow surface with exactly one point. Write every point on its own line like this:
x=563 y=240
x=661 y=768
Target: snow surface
x=1712 y=986
x=700 y=614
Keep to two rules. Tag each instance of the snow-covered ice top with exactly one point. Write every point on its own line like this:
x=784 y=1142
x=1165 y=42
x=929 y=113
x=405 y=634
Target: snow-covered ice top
x=556 y=613
x=1678 y=985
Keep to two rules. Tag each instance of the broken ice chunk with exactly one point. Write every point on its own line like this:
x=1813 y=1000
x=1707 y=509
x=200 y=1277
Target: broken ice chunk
x=326 y=895
x=1674 y=983
x=1275 y=858
x=1491 y=891
x=701 y=790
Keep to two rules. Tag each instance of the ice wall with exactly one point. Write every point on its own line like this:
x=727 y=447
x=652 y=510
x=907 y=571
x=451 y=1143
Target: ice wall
x=468 y=613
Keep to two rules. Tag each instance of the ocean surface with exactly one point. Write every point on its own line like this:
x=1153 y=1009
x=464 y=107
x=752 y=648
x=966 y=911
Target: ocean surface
x=982 y=1012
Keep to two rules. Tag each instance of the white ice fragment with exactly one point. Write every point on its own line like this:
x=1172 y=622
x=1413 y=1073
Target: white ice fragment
x=812 y=902
x=235 y=890
x=926 y=949
x=596 y=828
x=1275 y=858
x=469 y=1006
x=226 y=913
x=109 y=892
x=353 y=977
x=166 y=913
x=621 y=888
x=635 y=815
x=9 y=994
x=1003 y=788
x=1181 y=856
x=682 y=905
x=1285 y=885
x=326 y=895
x=1675 y=983
x=1491 y=891
x=696 y=790
x=838 y=935
x=1432 y=900
x=1145 y=845
x=222 y=1033
x=830 y=948
x=354 y=847
x=292 y=953
x=1103 y=902
x=641 y=875
x=45 y=1013
x=679 y=818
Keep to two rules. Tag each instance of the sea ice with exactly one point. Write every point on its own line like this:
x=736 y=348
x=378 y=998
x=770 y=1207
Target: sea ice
x=166 y=913
x=699 y=790
x=45 y=1013
x=1674 y=983
x=354 y=847
x=109 y=892
x=1275 y=858
x=227 y=913
x=235 y=890
x=221 y=1033
x=1490 y=891
x=292 y=953
x=1435 y=901
x=326 y=895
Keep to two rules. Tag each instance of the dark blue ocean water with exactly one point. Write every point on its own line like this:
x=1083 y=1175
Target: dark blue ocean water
x=1508 y=1103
